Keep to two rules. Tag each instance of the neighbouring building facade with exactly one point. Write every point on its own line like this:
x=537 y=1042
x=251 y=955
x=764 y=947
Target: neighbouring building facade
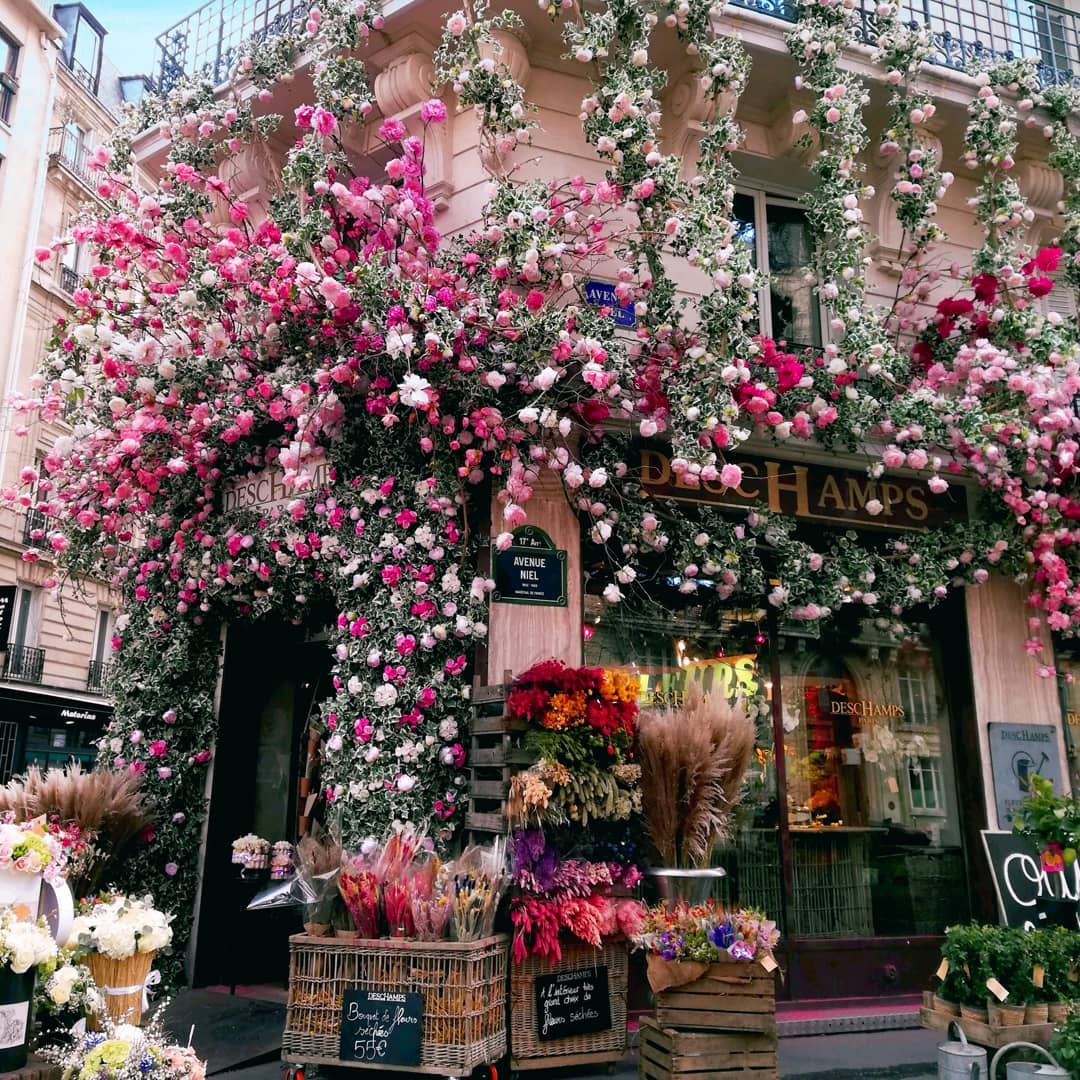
x=62 y=100
x=882 y=759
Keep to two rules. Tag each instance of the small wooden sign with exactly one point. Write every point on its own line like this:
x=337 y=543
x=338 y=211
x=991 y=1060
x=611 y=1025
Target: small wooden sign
x=531 y=571
x=381 y=1028
x=572 y=1003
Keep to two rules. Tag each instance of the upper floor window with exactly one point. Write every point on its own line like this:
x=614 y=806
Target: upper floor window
x=82 y=48
x=9 y=62
x=778 y=236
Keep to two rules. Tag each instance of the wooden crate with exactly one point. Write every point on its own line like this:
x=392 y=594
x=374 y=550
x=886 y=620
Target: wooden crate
x=666 y=1054
x=527 y=1051
x=732 y=995
x=36 y=1068
x=495 y=755
x=987 y=1035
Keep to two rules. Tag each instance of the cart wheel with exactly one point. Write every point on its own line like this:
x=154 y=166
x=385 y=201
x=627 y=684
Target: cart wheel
x=493 y=1072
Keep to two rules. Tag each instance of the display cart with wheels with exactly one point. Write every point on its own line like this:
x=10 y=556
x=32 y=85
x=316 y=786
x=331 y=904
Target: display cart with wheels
x=453 y=992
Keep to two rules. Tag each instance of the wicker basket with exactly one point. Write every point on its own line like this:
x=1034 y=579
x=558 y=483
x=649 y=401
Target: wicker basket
x=463 y=985
x=526 y=1049
x=121 y=983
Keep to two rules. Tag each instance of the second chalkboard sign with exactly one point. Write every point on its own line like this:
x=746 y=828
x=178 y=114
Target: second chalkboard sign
x=381 y=1028
x=572 y=1003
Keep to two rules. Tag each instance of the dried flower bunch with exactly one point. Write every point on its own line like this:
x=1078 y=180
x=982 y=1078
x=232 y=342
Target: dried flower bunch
x=693 y=759
x=93 y=813
x=705 y=933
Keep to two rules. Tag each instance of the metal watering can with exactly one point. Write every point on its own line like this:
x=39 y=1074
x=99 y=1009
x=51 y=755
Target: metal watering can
x=1024 y=1070
x=959 y=1060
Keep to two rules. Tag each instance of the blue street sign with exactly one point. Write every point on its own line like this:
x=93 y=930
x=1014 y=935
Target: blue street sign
x=602 y=294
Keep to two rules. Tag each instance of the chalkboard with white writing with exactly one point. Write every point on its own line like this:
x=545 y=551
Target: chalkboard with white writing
x=1029 y=896
x=572 y=1003
x=381 y=1028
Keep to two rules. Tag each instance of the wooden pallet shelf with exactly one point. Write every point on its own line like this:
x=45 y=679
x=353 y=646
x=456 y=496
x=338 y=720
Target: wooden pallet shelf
x=986 y=1035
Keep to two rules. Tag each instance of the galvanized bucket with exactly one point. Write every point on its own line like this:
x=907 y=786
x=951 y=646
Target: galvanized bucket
x=960 y=1060
x=1024 y=1070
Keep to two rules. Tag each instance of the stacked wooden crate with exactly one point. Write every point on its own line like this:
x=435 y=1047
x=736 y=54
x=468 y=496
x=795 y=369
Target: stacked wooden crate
x=722 y=1026
x=495 y=755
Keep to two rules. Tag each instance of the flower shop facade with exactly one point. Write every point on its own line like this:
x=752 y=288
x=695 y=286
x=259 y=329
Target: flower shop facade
x=879 y=757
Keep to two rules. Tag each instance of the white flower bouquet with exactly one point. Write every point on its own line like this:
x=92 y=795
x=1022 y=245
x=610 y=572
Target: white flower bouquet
x=24 y=944
x=65 y=988
x=119 y=936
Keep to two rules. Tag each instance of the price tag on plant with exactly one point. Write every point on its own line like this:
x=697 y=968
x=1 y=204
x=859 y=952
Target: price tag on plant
x=943 y=969
x=1038 y=976
x=769 y=964
x=997 y=989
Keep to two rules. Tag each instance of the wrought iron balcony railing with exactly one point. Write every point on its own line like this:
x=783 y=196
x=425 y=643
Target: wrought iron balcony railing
x=69 y=279
x=70 y=153
x=208 y=42
x=24 y=663
x=34 y=525
x=98 y=676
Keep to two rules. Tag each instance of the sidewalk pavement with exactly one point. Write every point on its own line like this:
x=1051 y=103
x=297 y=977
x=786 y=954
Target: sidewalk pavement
x=240 y=1037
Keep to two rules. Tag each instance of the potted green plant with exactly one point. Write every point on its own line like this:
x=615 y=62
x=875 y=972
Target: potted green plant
x=964 y=985
x=1009 y=962
x=1062 y=952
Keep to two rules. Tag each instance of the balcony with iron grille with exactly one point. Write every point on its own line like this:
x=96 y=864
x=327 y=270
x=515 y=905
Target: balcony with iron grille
x=70 y=154
x=23 y=663
x=68 y=278
x=34 y=525
x=208 y=43
x=98 y=676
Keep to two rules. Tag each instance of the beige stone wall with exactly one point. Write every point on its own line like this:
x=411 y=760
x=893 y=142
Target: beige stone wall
x=65 y=622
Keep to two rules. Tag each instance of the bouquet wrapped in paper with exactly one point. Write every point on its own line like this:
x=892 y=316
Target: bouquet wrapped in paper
x=317 y=859
x=431 y=900
x=480 y=879
x=393 y=868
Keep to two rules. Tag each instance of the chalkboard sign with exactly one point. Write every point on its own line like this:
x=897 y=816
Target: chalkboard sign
x=572 y=1003
x=531 y=571
x=1029 y=897
x=601 y=294
x=381 y=1028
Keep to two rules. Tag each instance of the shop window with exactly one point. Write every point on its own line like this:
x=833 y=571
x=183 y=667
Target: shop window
x=53 y=746
x=925 y=785
x=777 y=233
x=9 y=85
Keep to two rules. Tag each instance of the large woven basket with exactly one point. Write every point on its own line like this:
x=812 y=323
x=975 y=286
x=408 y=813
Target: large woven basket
x=463 y=985
x=576 y=955
x=121 y=983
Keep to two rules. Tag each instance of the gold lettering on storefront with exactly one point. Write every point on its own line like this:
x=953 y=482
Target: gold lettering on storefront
x=268 y=489
x=868 y=710
x=810 y=491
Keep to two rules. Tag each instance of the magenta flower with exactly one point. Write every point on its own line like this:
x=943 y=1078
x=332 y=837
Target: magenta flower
x=433 y=111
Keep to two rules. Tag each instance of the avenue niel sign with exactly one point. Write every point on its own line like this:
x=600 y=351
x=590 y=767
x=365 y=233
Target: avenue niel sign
x=816 y=492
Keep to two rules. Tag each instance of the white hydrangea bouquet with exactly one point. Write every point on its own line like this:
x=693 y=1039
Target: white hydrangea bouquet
x=118 y=937
x=24 y=944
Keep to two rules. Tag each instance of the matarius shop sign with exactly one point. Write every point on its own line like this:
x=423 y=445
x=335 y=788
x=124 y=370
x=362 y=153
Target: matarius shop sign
x=268 y=489
x=816 y=492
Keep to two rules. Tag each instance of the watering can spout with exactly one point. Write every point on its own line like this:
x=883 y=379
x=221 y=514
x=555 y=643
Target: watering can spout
x=1019 y=1070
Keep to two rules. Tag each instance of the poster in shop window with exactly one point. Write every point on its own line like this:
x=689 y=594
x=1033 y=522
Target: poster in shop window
x=1017 y=753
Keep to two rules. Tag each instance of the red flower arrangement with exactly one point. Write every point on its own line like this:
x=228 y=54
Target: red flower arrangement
x=553 y=696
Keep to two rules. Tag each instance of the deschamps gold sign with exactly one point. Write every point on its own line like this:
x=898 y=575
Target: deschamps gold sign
x=868 y=710
x=816 y=492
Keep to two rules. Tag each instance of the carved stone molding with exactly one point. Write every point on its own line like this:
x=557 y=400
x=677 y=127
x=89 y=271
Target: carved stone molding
x=401 y=88
x=514 y=54
x=1041 y=184
x=688 y=111
x=785 y=136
